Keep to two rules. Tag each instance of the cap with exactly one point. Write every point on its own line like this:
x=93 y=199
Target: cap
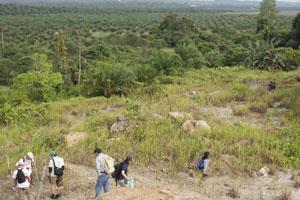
x=129 y=158
x=52 y=153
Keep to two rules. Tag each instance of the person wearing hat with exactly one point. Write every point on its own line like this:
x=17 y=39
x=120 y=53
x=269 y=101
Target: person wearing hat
x=56 y=168
x=123 y=172
x=28 y=163
x=21 y=181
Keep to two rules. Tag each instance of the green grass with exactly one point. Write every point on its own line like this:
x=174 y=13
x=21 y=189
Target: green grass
x=237 y=147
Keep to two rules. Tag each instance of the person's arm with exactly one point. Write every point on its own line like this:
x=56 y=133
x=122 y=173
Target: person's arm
x=98 y=166
x=124 y=175
x=205 y=170
x=14 y=182
x=50 y=167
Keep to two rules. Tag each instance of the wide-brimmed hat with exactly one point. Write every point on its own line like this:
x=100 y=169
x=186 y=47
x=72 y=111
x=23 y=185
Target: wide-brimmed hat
x=30 y=155
x=20 y=163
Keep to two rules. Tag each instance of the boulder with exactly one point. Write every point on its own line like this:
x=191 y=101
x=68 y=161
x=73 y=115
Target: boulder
x=74 y=137
x=121 y=125
x=179 y=115
x=263 y=171
x=191 y=93
x=195 y=125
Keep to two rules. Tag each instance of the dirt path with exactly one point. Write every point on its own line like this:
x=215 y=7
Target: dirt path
x=80 y=180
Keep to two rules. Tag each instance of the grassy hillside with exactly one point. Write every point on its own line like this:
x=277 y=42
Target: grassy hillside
x=250 y=128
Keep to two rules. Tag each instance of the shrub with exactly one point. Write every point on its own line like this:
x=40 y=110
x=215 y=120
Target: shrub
x=265 y=56
x=167 y=63
x=292 y=57
x=107 y=79
x=37 y=86
x=145 y=73
x=190 y=55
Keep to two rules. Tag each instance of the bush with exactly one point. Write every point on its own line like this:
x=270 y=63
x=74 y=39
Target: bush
x=145 y=73
x=292 y=57
x=190 y=55
x=167 y=63
x=265 y=56
x=107 y=79
x=37 y=86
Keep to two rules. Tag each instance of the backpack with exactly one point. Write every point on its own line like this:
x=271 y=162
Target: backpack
x=116 y=173
x=21 y=178
x=57 y=171
x=109 y=164
x=200 y=164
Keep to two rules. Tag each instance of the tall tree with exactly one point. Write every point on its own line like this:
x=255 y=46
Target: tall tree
x=61 y=50
x=296 y=32
x=267 y=18
x=2 y=28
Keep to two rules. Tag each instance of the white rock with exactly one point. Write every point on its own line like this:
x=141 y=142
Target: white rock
x=195 y=125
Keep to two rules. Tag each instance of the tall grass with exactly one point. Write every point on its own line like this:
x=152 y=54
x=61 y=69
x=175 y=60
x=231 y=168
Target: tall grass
x=235 y=147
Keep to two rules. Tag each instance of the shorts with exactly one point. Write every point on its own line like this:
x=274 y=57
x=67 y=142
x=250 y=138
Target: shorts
x=58 y=180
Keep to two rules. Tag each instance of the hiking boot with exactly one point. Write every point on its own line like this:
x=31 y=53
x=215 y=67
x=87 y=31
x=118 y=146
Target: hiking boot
x=57 y=196
x=52 y=196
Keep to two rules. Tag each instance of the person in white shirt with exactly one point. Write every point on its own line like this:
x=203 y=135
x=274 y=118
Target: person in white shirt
x=205 y=158
x=21 y=181
x=56 y=175
x=28 y=163
x=103 y=177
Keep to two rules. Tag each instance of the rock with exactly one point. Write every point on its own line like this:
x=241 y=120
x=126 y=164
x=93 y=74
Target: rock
x=263 y=171
x=298 y=77
x=191 y=173
x=165 y=192
x=276 y=121
x=222 y=113
x=157 y=116
x=195 y=125
x=276 y=104
x=74 y=137
x=191 y=93
x=179 y=115
x=121 y=125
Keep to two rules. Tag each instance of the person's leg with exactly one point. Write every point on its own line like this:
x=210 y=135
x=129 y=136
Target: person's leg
x=99 y=185
x=122 y=183
x=27 y=193
x=59 y=184
x=19 y=195
x=53 y=186
x=106 y=183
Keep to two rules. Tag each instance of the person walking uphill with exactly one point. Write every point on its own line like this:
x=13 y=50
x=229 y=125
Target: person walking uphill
x=203 y=164
x=104 y=167
x=56 y=171
x=21 y=181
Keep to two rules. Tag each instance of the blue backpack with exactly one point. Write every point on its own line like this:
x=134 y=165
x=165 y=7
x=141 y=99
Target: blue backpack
x=200 y=164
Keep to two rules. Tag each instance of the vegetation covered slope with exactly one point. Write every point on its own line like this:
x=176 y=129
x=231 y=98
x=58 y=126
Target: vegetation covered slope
x=262 y=129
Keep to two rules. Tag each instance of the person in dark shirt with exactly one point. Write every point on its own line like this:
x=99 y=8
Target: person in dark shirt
x=272 y=86
x=123 y=172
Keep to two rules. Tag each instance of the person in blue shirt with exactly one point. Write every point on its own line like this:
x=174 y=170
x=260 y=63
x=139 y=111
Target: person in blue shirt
x=123 y=177
x=202 y=164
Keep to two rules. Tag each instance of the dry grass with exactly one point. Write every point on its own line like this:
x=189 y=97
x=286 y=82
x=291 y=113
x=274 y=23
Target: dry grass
x=286 y=194
x=234 y=193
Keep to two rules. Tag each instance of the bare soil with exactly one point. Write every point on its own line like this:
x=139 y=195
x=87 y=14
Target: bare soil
x=80 y=180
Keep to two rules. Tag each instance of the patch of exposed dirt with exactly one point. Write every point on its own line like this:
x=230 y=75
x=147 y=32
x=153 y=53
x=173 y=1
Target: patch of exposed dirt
x=80 y=181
